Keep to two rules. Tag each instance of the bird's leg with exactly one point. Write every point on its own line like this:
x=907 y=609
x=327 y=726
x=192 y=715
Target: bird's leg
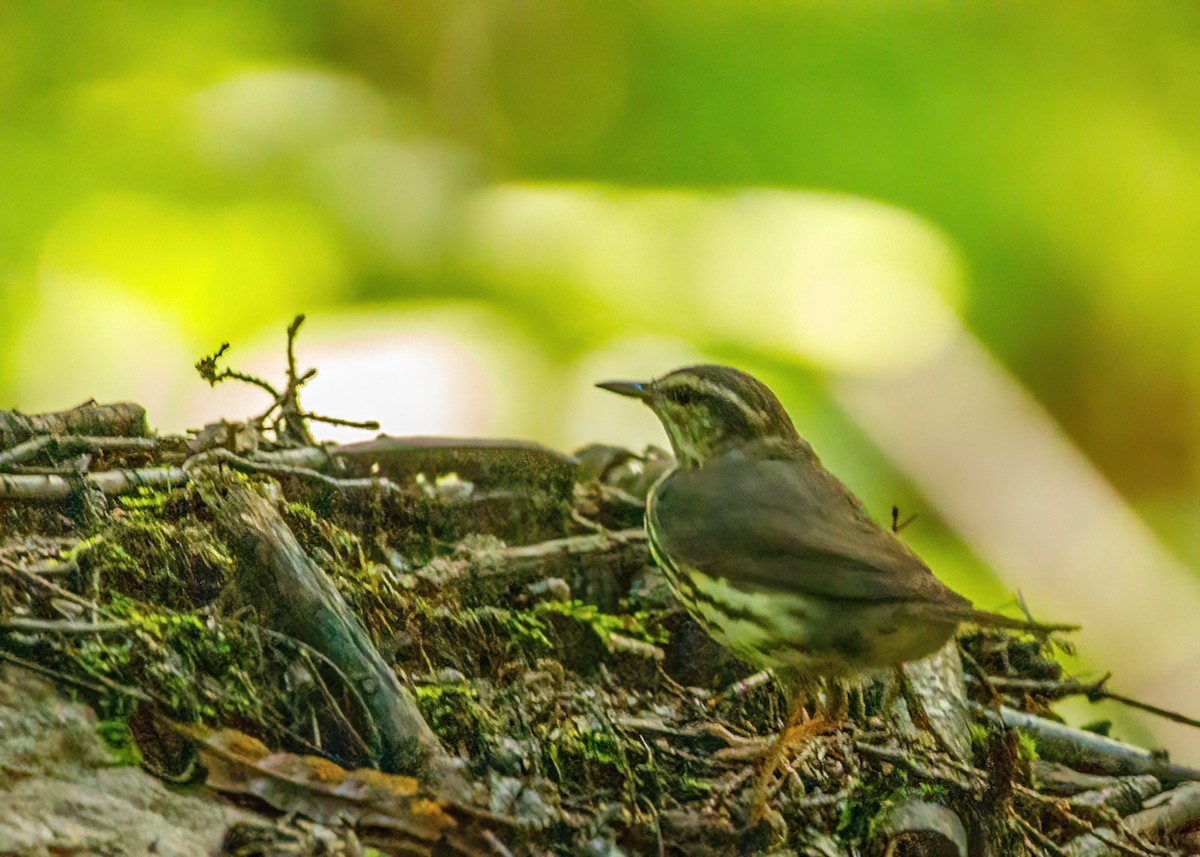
x=798 y=730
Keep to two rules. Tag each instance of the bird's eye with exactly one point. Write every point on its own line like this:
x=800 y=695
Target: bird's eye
x=685 y=396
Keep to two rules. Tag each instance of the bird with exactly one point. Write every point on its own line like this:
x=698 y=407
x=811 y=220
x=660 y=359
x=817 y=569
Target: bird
x=771 y=554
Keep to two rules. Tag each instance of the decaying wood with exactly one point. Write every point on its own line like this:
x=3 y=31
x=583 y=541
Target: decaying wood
x=1175 y=808
x=60 y=446
x=296 y=598
x=595 y=568
x=1055 y=778
x=1123 y=795
x=919 y=827
x=1060 y=743
x=940 y=687
x=557 y=666
x=510 y=462
x=118 y=419
x=45 y=486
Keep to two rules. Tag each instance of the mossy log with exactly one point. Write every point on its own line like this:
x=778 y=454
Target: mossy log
x=118 y=419
x=295 y=597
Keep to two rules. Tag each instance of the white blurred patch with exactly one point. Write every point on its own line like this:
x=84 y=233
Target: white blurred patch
x=449 y=370
x=255 y=116
x=90 y=338
x=401 y=198
x=851 y=285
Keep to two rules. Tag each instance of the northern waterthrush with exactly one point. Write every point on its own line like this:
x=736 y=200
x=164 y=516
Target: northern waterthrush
x=770 y=553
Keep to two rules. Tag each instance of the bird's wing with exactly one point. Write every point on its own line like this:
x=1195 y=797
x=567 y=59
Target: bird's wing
x=787 y=524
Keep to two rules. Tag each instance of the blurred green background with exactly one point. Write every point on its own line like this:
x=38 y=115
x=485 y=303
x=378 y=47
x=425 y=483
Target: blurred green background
x=959 y=239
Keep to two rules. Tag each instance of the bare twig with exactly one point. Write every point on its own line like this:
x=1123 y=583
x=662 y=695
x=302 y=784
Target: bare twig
x=44 y=487
x=1095 y=691
x=97 y=684
x=1060 y=743
x=370 y=425
x=336 y=709
x=60 y=591
x=22 y=624
x=1048 y=688
x=72 y=445
x=291 y=427
x=1144 y=706
x=207 y=367
x=637 y=648
x=1178 y=806
x=51 y=569
x=312 y=652
x=965 y=778
x=248 y=465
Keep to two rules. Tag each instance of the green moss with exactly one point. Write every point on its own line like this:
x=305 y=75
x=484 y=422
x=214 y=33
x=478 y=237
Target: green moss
x=691 y=788
x=641 y=625
x=152 y=552
x=934 y=792
x=582 y=751
x=869 y=803
x=301 y=511
x=144 y=499
x=116 y=735
x=199 y=669
x=369 y=590
x=526 y=631
x=979 y=733
x=455 y=715
x=1026 y=746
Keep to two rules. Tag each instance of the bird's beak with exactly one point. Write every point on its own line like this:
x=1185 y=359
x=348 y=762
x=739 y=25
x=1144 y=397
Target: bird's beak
x=632 y=389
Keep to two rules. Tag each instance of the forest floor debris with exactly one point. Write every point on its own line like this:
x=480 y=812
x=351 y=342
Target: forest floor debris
x=484 y=615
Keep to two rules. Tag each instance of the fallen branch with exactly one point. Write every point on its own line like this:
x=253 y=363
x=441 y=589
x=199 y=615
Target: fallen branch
x=62 y=446
x=25 y=625
x=921 y=827
x=296 y=598
x=591 y=565
x=120 y=419
x=45 y=486
x=1080 y=749
x=1176 y=808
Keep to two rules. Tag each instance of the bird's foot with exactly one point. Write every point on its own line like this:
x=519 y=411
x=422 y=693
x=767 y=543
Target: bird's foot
x=796 y=736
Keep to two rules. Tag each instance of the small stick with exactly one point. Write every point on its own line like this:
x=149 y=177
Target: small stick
x=1060 y=743
x=49 y=487
x=99 y=684
x=73 y=445
x=21 y=624
x=237 y=462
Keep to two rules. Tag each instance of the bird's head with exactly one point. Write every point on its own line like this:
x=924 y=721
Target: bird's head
x=710 y=410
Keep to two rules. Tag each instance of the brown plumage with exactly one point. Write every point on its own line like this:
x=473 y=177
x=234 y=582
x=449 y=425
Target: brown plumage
x=773 y=555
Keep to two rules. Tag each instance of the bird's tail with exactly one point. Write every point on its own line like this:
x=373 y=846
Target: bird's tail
x=995 y=620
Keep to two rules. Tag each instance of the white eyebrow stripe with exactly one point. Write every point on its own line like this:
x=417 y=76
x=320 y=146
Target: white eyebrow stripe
x=717 y=391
